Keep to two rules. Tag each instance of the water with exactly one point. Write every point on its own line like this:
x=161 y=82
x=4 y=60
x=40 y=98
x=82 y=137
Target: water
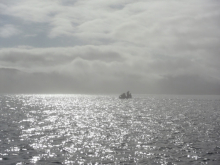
x=83 y=129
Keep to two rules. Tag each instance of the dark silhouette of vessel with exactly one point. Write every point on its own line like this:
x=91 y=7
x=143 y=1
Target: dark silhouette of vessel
x=125 y=96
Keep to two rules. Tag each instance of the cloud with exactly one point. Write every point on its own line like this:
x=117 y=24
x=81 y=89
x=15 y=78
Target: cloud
x=188 y=84
x=99 y=69
x=113 y=45
x=30 y=10
x=136 y=22
x=8 y=31
x=35 y=59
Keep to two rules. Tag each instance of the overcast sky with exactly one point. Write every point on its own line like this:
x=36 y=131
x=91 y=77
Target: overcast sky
x=99 y=46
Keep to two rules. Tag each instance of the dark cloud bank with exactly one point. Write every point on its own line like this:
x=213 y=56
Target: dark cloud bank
x=15 y=81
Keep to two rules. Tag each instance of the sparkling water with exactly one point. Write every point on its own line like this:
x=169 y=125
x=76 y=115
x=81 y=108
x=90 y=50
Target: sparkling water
x=91 y=129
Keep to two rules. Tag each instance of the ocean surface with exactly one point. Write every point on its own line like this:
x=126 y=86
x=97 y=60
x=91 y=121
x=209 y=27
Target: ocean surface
x=92 y=129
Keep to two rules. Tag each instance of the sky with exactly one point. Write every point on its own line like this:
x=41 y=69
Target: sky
x=110 y=47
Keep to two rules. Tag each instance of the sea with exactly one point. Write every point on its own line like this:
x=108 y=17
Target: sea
x=102 y=129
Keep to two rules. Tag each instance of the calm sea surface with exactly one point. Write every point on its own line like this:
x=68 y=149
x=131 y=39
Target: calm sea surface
x=83 y=129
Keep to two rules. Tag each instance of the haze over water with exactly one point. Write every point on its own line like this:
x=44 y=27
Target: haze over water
x=97 y=129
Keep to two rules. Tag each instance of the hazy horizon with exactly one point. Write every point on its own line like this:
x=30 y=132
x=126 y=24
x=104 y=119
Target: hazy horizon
x=110 y=47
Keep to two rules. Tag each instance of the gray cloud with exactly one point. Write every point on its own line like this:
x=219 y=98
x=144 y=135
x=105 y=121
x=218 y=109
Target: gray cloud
x=110 y=46
x=50 y=59
x=8 y=31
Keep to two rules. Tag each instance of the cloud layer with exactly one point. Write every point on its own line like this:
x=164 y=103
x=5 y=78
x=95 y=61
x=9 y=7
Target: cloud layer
x=93 y=46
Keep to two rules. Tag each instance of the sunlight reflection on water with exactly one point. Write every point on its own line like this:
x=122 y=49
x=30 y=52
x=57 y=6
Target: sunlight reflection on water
x=82 y=129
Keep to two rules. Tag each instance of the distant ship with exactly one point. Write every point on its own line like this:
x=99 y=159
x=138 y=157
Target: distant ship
x=125 y=96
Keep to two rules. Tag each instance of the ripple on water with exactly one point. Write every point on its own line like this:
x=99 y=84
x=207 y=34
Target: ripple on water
x=80 y=129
